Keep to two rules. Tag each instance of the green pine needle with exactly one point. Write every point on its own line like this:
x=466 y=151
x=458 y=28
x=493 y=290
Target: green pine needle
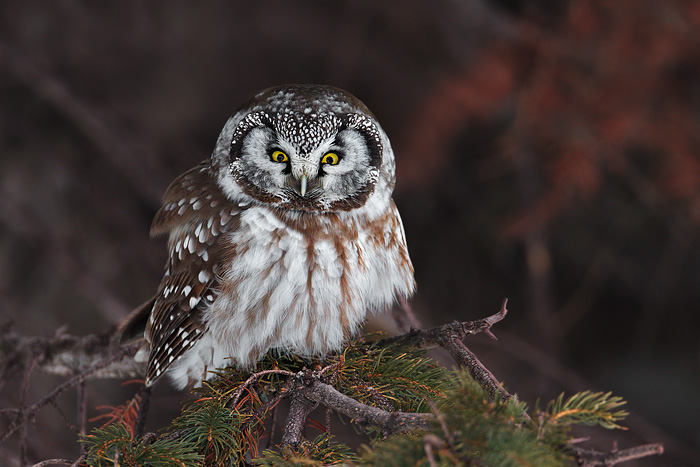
x=321 y=451
x=391 y=377
x=212 y=428
x=475 y=431
x=586 y=408
x=113 y=445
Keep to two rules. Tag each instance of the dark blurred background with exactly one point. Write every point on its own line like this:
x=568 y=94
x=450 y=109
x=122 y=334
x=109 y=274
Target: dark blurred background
x=547 y=151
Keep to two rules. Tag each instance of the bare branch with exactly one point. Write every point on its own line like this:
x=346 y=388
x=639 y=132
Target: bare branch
x=74 y=463
x=23 y=396
x=82 y=408
x=299 y=409
x=432 y=442
x=79 y=460
x=479 y=372
x=53 y=462
x=449 y=336
x=591 y=458
x=433 y=337
x=24 y=415
x=273 y=429
x=405 y=318
x=64 y=355
x=389 y=422
x=143 y=398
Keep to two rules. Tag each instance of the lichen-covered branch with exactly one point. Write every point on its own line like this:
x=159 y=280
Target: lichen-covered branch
x=299 y=409
x=64 y=355
x=389 y=422
x=591 y=458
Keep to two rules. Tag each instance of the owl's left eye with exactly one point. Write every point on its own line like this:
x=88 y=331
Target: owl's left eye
x=330 y=158
x=279 y=156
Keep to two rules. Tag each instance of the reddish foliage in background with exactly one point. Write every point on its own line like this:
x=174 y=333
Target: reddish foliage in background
x=613 y=81
x=448 y=110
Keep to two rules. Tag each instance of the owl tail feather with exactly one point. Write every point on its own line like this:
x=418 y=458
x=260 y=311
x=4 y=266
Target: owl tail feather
x=133 y=326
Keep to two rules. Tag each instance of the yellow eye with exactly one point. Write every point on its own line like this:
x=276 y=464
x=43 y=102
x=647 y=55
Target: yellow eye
x=330 y=158
x=279 y=156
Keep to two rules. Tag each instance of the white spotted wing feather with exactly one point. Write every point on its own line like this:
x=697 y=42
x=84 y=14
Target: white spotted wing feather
x=194 y=216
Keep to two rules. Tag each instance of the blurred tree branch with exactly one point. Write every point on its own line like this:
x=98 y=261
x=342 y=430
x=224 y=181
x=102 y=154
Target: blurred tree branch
x=67 y=355
x=26 y=414
x=120 y=151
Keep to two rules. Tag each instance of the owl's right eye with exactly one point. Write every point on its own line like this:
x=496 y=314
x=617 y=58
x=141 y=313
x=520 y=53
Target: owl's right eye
x=279 y=156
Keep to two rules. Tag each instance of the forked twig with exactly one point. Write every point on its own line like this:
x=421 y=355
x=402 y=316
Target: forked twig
x=253 y=378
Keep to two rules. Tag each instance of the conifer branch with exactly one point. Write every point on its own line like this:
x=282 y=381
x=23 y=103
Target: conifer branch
x=229 y=423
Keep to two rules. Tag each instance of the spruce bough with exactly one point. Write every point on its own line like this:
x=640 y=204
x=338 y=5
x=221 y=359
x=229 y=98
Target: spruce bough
x=416 y=412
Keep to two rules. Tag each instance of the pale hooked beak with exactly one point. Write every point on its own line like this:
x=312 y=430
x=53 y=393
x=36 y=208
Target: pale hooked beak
x=304 y=180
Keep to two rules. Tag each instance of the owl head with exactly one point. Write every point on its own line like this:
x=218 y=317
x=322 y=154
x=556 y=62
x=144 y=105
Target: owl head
x=305 y=148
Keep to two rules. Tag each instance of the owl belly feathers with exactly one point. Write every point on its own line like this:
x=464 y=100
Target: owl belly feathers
x=306 y=295
x=284 y=239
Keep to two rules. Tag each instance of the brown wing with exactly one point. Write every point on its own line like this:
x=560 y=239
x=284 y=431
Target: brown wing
x=195 y=214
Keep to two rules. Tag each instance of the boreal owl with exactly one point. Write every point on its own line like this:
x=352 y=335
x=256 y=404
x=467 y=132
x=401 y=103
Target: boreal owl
x=285 y=238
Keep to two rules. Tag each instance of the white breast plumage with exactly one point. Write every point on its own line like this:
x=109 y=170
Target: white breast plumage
x=294 y=292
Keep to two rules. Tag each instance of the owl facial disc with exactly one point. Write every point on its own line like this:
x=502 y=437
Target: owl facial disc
x=322 y=159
